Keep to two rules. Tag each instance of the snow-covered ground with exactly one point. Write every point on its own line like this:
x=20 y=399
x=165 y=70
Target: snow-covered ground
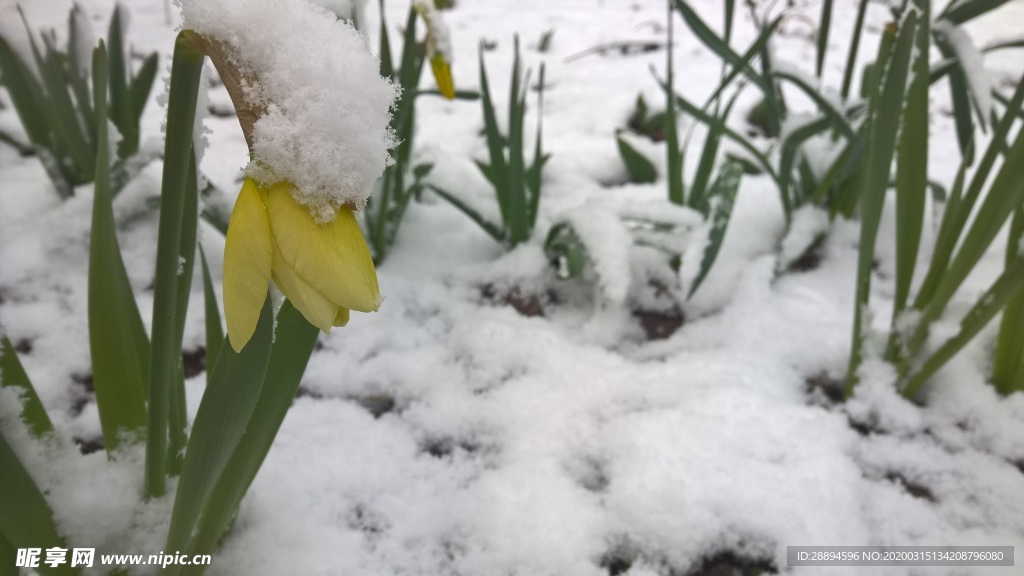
x=450 y=434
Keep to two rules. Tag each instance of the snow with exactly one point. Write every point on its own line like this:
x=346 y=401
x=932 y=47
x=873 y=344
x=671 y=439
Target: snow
x=440 y=41
x=973 y=65
x=325 y=125
x=450 y=434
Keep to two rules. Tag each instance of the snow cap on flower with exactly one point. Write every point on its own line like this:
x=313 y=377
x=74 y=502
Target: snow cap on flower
x=323 y=108
x=439 y=46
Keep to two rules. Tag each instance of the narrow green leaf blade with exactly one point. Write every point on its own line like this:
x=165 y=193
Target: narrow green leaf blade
x=186 y=67
x=1008 y=286
x=492 y=229
x=824 y=28
x=1008 y=358
x=294 y=341
x=12 y=374
x=142 y=85
x=232 y=391
x=883 y=123
x=119 y=356
x=911 y=174
x=964 y=10
x=723 y=198
x=214 y=329
x=26 y=520
x=640 y=169
x=26 y=95
x=495 y=145
x=122 y=105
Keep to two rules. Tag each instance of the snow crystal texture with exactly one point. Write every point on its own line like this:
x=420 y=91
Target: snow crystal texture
x=326 y=126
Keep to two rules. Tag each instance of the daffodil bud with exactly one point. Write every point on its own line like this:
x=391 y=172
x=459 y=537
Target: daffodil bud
x=439 y=47
x=315 y=114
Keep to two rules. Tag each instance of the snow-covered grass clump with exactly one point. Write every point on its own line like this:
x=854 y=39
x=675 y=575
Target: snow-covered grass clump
x=323 y=108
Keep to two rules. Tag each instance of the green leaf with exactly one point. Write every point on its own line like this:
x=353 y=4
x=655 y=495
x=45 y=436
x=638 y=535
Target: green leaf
x=121 y=102
x=884 y=119
x=214 y=330
x=186 y=262
x=851 y=55
x=723 y=198
x=26 y=95
x=186 y=67
x=24 y=150
x=117 y=340
x=294 y=341
x=78 y=81
x=1008 y=359
x=757 y=48
x=699 y=192
x=640 y=169
x=911 y=174
x=961 y=95
x=26 y=520
x=536 y=168
x=12 y=374
x=791 y=146
x=824 y=28
x=387 y=69
x=494 y=230
x=837 y=120
x=1003 y=197
x=60 y=112
x=8 y=558
x=515 y=200
x=705 y=118
x=566 y=251
x=124 y=170
x=955 y=43
x=1008 y=286
x=720 y=47
x=495 y=142
x=142 y=85
x=232 y=391
x=673 y=152
x=961 y=11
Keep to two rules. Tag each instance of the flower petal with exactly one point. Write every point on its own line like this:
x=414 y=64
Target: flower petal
x=248 y=256
x=342 y=318
x=332 y=257
x=313 y=305
x=443 y=75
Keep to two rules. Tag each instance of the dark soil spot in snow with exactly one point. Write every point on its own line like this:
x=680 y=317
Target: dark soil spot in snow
x=366 y=521
x=590 y=472
x=728 y=564
x=376 y=404
x=811 y=258
x=304 y=392
x=1019 y=464
x=529 y=305
x=23 y=346
x=194 y=361
x=617 y=562
x=83 y=379
x=445 y=447
x=660 y=324
x=221 y=110
x=88 y=446
x=864 y=428
x=914 y=489
x=824 y=390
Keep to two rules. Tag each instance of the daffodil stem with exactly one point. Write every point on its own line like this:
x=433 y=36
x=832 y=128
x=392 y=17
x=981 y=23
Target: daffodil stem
x=168 y=301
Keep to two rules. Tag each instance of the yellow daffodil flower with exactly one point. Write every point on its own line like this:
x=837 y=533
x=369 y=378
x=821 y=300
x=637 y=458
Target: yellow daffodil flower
x=438 y=46
x=443 y=75
x=324 y=269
